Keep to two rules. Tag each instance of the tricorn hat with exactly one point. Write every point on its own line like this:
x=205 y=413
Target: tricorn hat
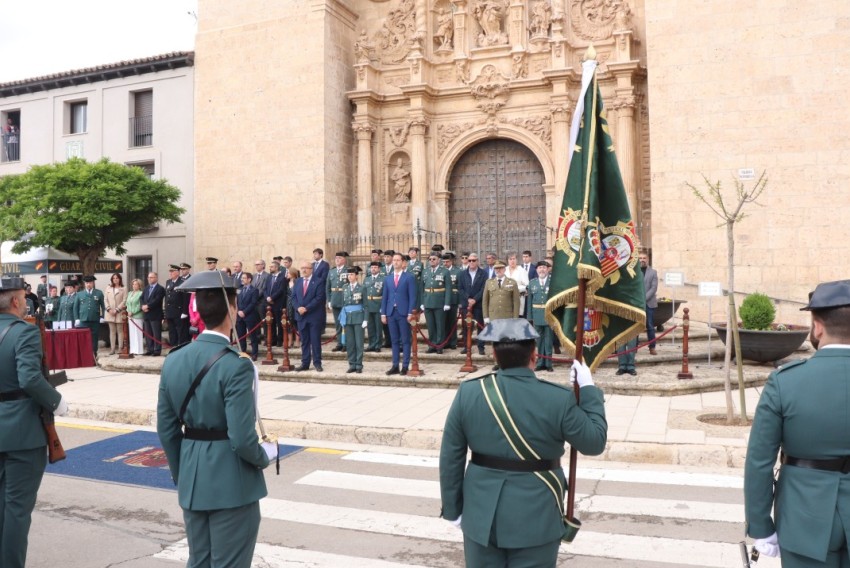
x=207 y=280
x=389 y=252
x=377 y=251
x=448 y=255
x=173 y=267
x=211 y=259
x=376 y=263
x=12 y=283
x=438 y=248
x=342 y=253
x=89 y=278
x=507 y=330
x=352 y=270
x=543 y=263
x=185 y=265
x=829 y=295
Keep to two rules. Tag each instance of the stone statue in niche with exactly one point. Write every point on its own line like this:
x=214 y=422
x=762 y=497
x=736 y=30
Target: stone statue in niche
x=519 y=66
x=541 y=19
x=445 y=31
x=363 y=48
x=623 y=17
x=489 y=14
x=401 y=182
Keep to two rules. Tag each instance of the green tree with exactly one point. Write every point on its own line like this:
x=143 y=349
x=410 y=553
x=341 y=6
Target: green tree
x=83 y=208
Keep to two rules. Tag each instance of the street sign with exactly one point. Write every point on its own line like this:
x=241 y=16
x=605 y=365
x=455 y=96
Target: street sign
x=710 y=289
x=674 y=278
x=746 y=174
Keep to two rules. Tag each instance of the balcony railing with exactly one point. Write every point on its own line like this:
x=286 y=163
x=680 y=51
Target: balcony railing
x=141 y=131
x=11 y=146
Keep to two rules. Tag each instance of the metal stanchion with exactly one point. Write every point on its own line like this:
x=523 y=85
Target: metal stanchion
x=415 y=371
x=285 y=366
x=468 y=367
x=686 y=324
x=269 y=360
x=125 y=331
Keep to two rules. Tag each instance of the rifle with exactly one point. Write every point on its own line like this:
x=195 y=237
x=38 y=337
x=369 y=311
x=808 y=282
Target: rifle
x=55 y=451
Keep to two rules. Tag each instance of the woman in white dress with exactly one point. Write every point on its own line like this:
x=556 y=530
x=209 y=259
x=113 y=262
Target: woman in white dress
x=134 y=310
x=519 y=274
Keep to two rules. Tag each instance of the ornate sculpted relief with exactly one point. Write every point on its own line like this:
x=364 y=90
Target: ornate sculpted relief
x=594 y=19
x=398 y=30
x=519 y=66
x=399 y=179
x=398 y=134
x=364 y=49
x=490 y=89
x=462 y=70
x=540 y=126
x=490 y=15
x=444 y=34
x=540 y=20
x=448 y=132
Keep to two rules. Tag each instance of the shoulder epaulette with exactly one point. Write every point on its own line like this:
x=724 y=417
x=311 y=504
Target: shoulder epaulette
x=478 y=378
x=790 y=364
x=178 y=347
x=559 y=385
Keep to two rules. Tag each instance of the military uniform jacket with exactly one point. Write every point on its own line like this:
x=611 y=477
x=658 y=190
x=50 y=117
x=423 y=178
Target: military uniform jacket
x=501 y=303
x=333 y=287
x=219 y=474
x=537 y=296
x=174 y=299
x=353 y=298
x=436 y=288
x=20 y=359
x=89 y=307
x=53 y=314
x=66 y=308
x=415 y=267
x=373 y=291
x=520 y=505
x=804 y=411
x=454 y=274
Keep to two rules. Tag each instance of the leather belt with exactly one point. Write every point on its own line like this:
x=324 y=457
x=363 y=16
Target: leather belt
x=523 y=466
x=374 y=297
x=204 y=435
x=17 y=394
x=538 y=306
x=835 y=464
x=337 y=289
x=435 y=289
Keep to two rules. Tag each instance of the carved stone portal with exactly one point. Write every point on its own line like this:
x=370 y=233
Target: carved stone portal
x=397 y=32
x=490 y=15
x=490 y=89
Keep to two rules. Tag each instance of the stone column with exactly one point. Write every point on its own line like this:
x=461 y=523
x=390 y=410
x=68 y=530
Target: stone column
x=624 y=104
x=460 y=39
x=561 y=108
x=514 y=26
x=419 y=173
x=364 y=131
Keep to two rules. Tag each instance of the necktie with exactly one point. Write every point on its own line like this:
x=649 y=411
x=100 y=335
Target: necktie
x=500 y=282
x=304 y=291
x=396 y=279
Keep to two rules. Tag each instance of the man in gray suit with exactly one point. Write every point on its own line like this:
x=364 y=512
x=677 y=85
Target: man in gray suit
x=650 y=284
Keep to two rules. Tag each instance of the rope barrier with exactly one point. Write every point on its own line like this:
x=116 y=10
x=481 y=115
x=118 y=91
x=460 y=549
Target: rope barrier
x=615 y=354
x=448 y=335
x=167 y=344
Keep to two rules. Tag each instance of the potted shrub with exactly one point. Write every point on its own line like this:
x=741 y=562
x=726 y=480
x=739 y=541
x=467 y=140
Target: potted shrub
x=762 y=340
x=665 y=311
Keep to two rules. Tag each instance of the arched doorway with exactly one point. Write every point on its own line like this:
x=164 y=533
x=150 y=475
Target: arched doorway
x=497 y=202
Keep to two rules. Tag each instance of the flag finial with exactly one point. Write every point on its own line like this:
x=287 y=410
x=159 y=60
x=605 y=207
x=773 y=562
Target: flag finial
x=590 y=53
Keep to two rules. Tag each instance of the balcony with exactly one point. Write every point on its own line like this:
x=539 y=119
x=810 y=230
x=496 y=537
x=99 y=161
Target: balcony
x=11 y=146
x=141 y=131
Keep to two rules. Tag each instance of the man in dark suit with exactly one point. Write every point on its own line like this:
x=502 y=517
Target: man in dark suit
x=246 y=316
x=308 y=302
x=529 y=265
x=397 y=311
x=174 y=303
x=152 y=297
x=236 y=273
x=276 y=298
x=320 y=266
x=471 y=292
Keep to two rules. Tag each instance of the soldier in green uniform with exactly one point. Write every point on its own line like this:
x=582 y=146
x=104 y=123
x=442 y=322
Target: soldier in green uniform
x=802 y=416
x=538 y=293
x=208 y=432
x=508 y=515
x=51 y=307
x=66 y=304
x=436 y=297
x=89 y=309
x=501 y=296
x=24 y=394
x=373 y=291
x=334 y=285
x=451 y=314
x=375 y=256
x=353 y=319
x=414 y=266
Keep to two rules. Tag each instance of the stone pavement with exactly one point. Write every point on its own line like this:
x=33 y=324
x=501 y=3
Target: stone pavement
x=652 y=417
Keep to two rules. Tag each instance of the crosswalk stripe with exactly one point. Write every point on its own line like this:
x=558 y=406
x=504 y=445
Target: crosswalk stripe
x=271 y=556
x=670 y=508
x=656 y=477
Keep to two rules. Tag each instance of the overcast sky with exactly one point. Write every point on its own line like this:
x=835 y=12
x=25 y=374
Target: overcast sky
x=42 y=37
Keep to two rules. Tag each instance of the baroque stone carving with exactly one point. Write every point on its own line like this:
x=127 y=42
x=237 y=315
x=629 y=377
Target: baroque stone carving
x=398 y=134
x=397 y=32
x=623 y=18
x=490 y=14
x=446 y=133
x=541 y=19
x=363 y=48
x=400 y=178
x=490 y=89
x=519 y=66
x=540 y=126
x=462 y=70
x=444 y=35
x=594 y=19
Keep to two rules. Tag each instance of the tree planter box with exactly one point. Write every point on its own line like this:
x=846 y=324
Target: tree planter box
x=664 y=312
x=767 y=346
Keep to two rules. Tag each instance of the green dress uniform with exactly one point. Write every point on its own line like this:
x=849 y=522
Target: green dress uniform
x=538 y=293
x=219 y=482
x=512 y=516
x=373 y=291
x=415 y=267
x=89 y=308
x=23 y=444
x=501 y=301
x=452 y=324
x=436 y=294
x=804 y=412
x=354 y=316
x=51 y=309
x=66 y=308
x=333 y=292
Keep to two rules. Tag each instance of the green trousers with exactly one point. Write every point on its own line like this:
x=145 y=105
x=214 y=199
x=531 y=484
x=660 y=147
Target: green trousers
x=222 y=538
x=837 y=555
x=543 y=556
x=376 y=331
x=544 y=347
x=94 y=328
x=354 y=345
x=435 y=319
x=452 y=326
x=20 y=477
x=337 y=326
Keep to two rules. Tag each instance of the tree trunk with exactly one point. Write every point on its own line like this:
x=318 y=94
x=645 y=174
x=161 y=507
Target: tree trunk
x=731 y=319
x=88 y=257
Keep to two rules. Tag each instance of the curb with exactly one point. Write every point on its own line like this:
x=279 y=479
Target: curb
x=701 y=455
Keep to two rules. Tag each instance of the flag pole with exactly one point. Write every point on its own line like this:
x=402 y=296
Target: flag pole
x=571 y=479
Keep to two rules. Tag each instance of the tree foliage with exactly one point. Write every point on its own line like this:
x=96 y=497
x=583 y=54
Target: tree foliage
x=83 y=208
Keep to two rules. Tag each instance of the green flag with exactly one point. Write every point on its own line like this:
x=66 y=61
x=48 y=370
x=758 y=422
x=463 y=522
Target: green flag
x=595 y=240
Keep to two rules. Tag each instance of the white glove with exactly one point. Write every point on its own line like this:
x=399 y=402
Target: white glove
x=446 y=308
x=456 y=523
x=184 y=316
x=270 y=448
x=581 y=374
x=365 y=324
x=768 y=546
x=486 y=321
x=61 y=408
x=330 y=306
x=76 y=322
x=422 y=308
x=102 y=320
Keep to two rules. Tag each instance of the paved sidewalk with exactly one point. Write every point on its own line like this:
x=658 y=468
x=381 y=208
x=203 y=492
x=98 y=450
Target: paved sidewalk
x=643 y=429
